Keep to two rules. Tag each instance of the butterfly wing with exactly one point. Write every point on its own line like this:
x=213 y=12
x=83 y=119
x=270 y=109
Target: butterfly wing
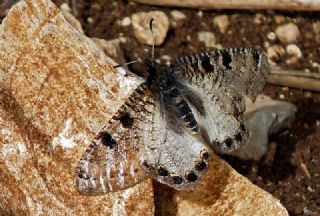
x=179 y=160
x=221 y=78
x=111 y=162
x=136 y=143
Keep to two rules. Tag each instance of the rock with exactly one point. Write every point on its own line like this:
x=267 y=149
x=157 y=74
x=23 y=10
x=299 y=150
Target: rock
x=316 y=27
x=140 y=23
x=222 y=192
x=66 y=11
x=222 y=21
x=57 y=92
x=288 y=33
x=275 y=53
x=126 y=21
x=264 y=118
x=272 y=36
x=111 y=48
x=294 y=50
x=209 y=39
x=177 y=15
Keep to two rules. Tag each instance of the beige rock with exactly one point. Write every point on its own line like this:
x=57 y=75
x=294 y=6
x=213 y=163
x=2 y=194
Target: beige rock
x=177 y=15
x=57 y=92
x=111 y=48
x=222 y=21
x=66 y=11
x=288 y=33
x=209 y=39
x=275 y=53
x=140 y=23
x=294 y=50
x=316 y=27
x=222 y=192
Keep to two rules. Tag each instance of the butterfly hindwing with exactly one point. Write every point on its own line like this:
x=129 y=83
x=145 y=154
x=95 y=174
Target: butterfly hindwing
x=111 y=162
x=221 y=78
x=178 y=160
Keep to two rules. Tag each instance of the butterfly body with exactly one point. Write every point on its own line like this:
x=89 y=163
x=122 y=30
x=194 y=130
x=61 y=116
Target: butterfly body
x=170 y=124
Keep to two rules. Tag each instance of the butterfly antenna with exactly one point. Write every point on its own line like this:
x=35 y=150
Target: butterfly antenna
x=151 y=29
x=120 y=65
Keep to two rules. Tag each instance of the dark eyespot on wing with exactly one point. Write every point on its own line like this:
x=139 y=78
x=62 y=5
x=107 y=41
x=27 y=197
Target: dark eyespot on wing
x=206 y=64
x=256 y=57
x=177 y=179
x=106 y=139
x=126 y=120
x=238 y=137
x=162 y=171
x=191 y=177
x=228 y=142
x=200 y=166
x=226 y=59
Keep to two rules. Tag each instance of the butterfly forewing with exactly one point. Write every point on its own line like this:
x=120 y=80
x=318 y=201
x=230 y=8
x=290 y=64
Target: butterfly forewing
x=111 y=162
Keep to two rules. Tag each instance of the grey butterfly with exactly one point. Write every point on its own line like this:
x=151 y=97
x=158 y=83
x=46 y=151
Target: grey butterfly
x=169 y=126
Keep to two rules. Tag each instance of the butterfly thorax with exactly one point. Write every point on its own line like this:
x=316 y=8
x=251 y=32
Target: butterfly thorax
x=172 y=97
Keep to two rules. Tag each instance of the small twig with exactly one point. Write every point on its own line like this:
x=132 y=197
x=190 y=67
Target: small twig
x=295 y=73
x=296 y=80
x=269 y=158
x=305 y=5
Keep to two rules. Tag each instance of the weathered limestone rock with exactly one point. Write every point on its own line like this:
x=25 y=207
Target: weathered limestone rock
x=223 y=192
x=57 y=91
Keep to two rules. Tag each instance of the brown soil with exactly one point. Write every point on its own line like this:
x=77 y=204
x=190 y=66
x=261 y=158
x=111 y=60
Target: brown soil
x=294 y=174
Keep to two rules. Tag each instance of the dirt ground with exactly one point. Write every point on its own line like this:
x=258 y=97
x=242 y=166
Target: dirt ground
x=294 y=174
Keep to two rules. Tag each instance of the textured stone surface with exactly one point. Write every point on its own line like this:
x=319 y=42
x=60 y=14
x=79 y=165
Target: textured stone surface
x=141 y=28
x=57 y=91
x=264 y=118
x=223 y=192
x=288 y=33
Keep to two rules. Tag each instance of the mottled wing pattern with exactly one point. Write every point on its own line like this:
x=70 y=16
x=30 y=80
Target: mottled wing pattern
x=137 y=142
x=221 y=78
x=111 y=162
x=180 y=160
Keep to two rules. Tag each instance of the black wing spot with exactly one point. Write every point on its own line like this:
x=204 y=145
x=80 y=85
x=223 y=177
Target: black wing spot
x=106 y=139
x=126 y=120
x=256 y=57
x=191 y=177
x=200 y=166
x=228 y=142
x=205 y=155
x=162 y=171
x=177 y=179
x=226 y=59
x=238 y=137
x=206 y=64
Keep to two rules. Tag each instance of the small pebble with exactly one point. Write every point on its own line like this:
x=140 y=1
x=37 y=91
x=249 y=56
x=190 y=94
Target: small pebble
x=275 y=53
x=294 y=50
x=288 y=33
x=222 y=21
x=208 y=38
x=177 y=15
x=316 y=27
x=272 y=36
x=140 y=24
x=126 y=21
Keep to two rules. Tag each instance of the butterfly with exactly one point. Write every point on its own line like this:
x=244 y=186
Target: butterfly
x=172 y=123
